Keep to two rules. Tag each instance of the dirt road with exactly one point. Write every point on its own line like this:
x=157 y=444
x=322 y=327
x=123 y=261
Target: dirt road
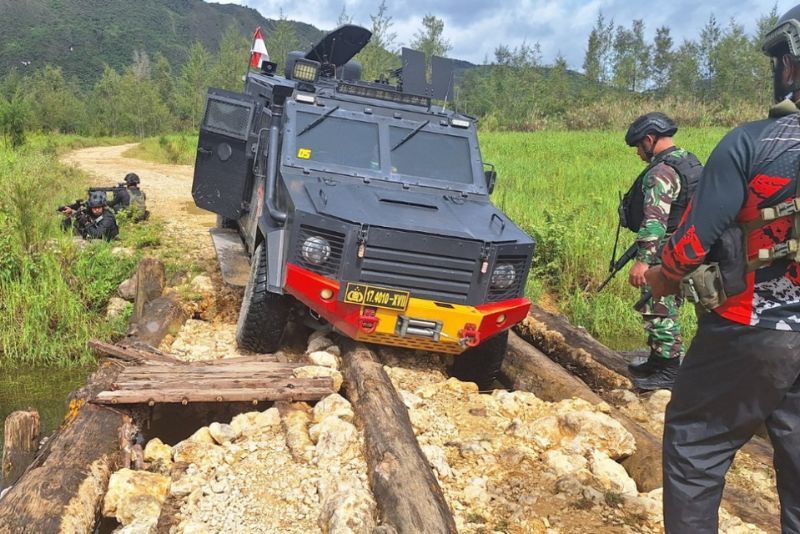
x=168 y=189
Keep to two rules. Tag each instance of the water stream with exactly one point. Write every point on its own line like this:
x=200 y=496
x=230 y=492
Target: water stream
x=42 y=388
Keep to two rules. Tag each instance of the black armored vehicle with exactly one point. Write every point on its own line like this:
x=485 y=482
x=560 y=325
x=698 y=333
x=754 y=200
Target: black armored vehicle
x=364 y=203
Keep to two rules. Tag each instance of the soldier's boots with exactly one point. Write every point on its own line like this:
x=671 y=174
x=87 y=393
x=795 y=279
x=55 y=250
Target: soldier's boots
x=662 y=377
x=645 y=368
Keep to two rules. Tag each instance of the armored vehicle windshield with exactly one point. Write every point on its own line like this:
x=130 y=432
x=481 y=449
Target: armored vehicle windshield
x=372 y=145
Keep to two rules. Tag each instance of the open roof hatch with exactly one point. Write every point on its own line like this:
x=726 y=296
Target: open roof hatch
x=340 y=45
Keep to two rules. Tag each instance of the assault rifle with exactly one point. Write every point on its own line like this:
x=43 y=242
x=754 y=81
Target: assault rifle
x=616 y=266
x=106 y=190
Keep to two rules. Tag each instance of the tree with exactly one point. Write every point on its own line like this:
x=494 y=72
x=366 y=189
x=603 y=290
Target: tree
x=55 y=103
x=430 y=39
x=162 y=77
x=282 y=40
x=597 y=59
x=685 y=76
x=344 y=17
x=641 y=53
x=624 y=66
x=230 y=62
x=192 y=86
x=14 y=116
x=662 y=58
x=106 y=105
x=379 y=57
x=709 y=40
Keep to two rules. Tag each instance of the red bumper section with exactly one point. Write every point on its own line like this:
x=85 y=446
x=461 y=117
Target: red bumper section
x=321 y=295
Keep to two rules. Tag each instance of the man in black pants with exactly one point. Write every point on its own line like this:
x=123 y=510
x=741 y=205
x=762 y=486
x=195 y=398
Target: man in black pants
x=743 y=367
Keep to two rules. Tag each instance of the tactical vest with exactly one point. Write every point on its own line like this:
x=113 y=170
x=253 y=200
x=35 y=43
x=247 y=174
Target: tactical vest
x=789 y=248
x=137 y=200
x=689 y=169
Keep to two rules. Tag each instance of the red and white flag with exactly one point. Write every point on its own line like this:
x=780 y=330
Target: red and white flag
x=258 y=53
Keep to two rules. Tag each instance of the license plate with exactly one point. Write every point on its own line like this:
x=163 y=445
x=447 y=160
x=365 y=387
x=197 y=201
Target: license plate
x=380 y=297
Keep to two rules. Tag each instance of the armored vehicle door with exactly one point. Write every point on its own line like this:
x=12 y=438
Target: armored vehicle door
x=222 y=170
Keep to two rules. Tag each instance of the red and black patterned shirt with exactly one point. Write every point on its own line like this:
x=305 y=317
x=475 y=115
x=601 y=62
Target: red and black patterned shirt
x=756 y=165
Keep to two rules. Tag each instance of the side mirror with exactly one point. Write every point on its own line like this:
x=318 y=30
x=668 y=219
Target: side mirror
x=491 y=178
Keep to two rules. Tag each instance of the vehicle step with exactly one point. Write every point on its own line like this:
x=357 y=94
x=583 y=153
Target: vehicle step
x=233 y=260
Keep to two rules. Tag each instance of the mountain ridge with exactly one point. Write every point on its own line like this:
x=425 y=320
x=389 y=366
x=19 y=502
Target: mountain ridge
x=82 y=36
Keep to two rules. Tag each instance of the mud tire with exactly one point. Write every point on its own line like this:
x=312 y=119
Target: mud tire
x=263 y=315
x=481 y=364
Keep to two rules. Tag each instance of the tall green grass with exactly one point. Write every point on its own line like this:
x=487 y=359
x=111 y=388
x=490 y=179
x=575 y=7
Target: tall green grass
x=53 y=288
x=562 y=188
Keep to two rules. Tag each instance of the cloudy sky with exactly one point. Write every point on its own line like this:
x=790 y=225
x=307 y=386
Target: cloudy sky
x=475 y=27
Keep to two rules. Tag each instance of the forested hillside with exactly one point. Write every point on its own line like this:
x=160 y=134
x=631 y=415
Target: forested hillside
x=82 y=36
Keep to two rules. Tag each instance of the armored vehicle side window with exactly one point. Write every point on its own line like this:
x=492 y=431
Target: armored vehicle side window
x=228 y=117
x=430 y=155
x=350 y=143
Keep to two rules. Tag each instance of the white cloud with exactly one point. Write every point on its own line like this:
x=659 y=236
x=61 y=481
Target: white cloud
x=476 y=27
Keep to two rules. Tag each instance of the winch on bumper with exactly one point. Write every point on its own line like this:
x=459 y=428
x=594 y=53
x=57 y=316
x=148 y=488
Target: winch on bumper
x=420 y=324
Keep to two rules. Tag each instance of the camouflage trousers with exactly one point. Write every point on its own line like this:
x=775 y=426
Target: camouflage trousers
x=663 y=329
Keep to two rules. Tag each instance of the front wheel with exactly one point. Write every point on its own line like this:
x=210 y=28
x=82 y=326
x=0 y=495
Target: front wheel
x=263 y=315
x=481 y=364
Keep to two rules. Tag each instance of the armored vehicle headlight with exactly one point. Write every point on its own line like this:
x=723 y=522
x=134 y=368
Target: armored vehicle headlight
x=316 y=250
x=503 y=276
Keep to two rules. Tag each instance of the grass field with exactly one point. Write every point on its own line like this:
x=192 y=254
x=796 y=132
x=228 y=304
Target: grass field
x=562 y=188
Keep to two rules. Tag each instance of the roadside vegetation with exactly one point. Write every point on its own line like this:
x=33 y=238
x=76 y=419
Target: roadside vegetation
x=55 y=288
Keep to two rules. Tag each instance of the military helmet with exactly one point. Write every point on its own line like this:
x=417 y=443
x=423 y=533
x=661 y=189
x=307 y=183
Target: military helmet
x=132 y=178
x=785 y=36
x=97 y=199
x=650 y=123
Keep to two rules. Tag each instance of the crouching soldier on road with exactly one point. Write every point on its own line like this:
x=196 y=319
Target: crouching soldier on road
x=743 y=367
x=131 y=198
x=653 y=208
x=98 y=222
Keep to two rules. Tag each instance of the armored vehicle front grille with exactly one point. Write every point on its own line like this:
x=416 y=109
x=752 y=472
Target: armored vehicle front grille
x=336 y=241
x=515 y=290
x=426 y=275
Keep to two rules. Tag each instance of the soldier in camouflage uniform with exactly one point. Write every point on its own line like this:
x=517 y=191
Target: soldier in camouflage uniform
x=652 y=208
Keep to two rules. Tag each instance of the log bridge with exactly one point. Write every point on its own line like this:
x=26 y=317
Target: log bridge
x=153 y=378
x=63 y=487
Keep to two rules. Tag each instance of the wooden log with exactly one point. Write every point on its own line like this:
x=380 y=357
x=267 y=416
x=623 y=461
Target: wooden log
x=150 y=281
x=528 y=369
x=305 y=389
x=20 y=442
x=263 y=381
x=409 y=497
x=162 y=316
x=576 y=358
x=64 y=486
x=578 y=338
x=129 y=354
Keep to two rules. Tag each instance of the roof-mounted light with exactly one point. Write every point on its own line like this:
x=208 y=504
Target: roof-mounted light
x=305 y=98
x=383 y=94
x=459 y=123
x=305 y=70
